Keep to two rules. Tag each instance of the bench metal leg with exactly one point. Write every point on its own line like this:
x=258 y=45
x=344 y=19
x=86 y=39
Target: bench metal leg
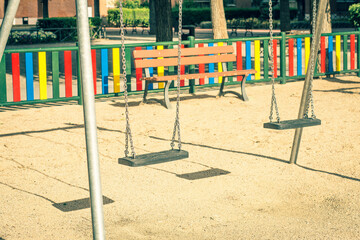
x=243 y=92
x=221 y=91
x=166 y=95
x=146 y=91
x=243 y=95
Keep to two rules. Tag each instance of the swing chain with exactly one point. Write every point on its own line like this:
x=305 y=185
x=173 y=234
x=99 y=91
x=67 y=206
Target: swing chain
x=177 y=117
x=273 y=95
x=310 y=100
x=128 y=135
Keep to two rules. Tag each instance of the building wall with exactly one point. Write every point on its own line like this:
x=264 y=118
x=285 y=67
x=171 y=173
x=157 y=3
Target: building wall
x=32 y=9
x=62 y=8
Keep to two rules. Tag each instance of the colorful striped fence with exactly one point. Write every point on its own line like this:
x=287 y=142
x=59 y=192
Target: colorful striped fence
x=52 y=74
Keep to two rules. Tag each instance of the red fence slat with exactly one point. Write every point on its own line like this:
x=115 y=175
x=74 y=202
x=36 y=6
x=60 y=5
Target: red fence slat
x=68 y=73
x=239 y=59
x=138 y=74
x=201 y=68
x=93 y=62
x=15 y=65
x=291 y=57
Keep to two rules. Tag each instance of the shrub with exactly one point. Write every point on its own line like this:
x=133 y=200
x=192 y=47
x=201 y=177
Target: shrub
x=354 y=11
x=132 y=17
x=26 y=37
x=129 y=4
x=65 y=22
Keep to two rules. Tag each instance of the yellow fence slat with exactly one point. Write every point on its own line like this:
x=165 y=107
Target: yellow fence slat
x=160 y=70
x=42 y=75
x=307 y=52
x=220 y=69
x=116 y=69
x=338 y=52
x=257 y=59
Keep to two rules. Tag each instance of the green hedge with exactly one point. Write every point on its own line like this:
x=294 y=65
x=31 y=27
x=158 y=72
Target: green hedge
x=194 y=16
x=65 y=22
x=354 y=11
x=132 y=17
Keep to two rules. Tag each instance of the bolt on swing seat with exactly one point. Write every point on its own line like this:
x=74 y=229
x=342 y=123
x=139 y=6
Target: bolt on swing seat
x=154 y=158
x=293 y=124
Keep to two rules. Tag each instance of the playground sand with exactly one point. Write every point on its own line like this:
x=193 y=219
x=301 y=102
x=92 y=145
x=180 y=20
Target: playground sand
x=241 y=188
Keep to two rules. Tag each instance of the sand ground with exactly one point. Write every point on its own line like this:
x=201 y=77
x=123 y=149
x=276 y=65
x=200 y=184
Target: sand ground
x=236 y=184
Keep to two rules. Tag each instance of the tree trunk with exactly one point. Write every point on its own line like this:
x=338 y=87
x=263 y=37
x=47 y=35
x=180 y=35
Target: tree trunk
x=326 y=26
x=285 y=16
x=218 y=19
x=45 y=8
x=152 y=20
x=301 y=10
x=96 y=8
x=163 y=20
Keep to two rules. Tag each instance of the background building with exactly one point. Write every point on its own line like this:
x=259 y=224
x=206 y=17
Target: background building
x=30 y=10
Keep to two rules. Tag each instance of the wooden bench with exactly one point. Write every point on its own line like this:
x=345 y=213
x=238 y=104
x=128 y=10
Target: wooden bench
x=146 y=59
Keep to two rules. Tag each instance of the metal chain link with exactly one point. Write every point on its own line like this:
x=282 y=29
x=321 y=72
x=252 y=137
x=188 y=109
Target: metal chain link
x=128 y=135
x=310 y=99
x=177 y=117
x=273 y=95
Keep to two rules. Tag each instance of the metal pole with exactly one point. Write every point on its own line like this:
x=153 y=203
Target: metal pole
x=7 y=24
x=90 y=120
x=305 y=93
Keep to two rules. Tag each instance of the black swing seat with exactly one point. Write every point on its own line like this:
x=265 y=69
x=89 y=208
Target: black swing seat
x=154 y=158
x=292 y=124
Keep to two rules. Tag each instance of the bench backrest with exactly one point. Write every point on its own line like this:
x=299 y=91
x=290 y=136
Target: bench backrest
x=189 y=56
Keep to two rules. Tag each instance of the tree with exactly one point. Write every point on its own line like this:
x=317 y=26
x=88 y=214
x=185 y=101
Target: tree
x=45 y=8
x=218 y=19
x=326 y=26
x=285 y=16
x=301 y=9
x=152 y=20
x=96 y=8
x=163 y=20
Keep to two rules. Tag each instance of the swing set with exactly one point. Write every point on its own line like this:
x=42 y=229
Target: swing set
x=172 y=154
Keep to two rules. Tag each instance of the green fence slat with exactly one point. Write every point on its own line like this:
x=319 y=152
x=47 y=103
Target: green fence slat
x=345 y=51
x=55 y=74
x=230 y=65
x=128 y=67
x=266 y=59
x=358 y=51
x=192 y=67
x=283 y=58
x=171 y=69
x=79 y=85
x=3 y=95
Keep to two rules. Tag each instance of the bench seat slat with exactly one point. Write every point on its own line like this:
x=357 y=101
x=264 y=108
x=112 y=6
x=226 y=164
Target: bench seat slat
x=184 y=52
x=198 y=75
x=184 y=61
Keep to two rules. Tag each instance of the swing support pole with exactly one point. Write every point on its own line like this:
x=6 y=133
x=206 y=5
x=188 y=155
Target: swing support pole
x=7 y=23
x=309 y=73
x=92 y=153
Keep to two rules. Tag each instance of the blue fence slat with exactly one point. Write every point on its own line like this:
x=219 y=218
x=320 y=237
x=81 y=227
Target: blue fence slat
x=248 y=58
x=211 y=66
x=29 y=69
x=104 y=71
x=299 y=56
x=151 y=70
x=330 y=54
